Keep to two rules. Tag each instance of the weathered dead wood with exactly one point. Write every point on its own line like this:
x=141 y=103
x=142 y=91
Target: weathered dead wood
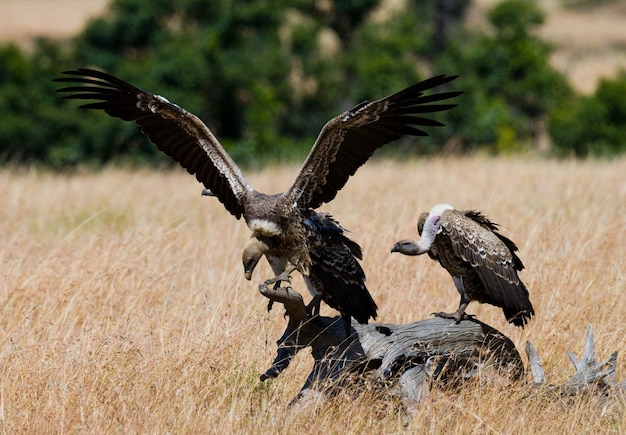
x=590 y=374
x=406 y=357
x=407 y=360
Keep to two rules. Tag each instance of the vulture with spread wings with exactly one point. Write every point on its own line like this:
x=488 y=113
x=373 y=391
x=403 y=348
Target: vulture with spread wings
x=278 y=221
x=483 y=263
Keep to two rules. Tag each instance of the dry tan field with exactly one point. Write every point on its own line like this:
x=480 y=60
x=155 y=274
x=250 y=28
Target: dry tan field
x=125 y=308
x=23 y=20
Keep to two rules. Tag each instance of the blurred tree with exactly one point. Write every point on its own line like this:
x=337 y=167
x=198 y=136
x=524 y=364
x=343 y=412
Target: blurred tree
x=592 y=125
x=266 y=75
x=509 y=83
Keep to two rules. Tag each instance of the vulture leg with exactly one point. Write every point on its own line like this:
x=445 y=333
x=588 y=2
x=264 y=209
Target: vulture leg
x=347 y=321
x=278 y=266
x=284 y=276
x=459 y=314
x=313 y=308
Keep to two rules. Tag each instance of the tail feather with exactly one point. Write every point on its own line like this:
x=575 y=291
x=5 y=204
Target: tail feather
x=519 y=309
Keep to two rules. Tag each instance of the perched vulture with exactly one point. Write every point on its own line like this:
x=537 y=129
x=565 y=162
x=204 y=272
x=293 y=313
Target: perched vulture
x=278 y=220
x=335 y=275
x=482 y=262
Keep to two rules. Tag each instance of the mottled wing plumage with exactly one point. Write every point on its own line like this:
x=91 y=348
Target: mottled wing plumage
x=477 y=243
x=176 y=132
x=347 y=141
x=492 y=256
x=335 y=271
x=482 y=220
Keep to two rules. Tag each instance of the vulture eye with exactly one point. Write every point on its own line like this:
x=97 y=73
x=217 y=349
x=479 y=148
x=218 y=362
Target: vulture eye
x=269 y=241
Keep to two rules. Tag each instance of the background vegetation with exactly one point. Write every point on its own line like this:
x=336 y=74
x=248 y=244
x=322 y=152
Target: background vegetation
x=266 y=76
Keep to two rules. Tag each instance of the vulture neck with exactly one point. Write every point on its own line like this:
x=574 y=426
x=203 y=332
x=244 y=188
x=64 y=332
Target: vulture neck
x=431 y=228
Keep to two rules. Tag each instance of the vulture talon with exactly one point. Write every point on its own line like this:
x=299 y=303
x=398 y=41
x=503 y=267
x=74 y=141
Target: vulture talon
x=456 y=316
x=280 y=278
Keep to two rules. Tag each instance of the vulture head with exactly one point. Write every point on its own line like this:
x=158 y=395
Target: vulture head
x=255 y=250
x=428 y=226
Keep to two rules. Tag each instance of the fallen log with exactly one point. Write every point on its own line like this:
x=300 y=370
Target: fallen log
x=406 y=357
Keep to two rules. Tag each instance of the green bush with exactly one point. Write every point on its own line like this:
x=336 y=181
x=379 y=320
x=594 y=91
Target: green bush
x=592 y=125
x=508 y=82
x=266 y=75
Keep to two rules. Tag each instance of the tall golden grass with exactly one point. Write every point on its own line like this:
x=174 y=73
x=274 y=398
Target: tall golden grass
x=125 y=308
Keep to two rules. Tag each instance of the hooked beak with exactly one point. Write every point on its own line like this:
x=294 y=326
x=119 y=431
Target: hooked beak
x=251 y=255
x=248 y=274
x=207 y=192
x=408 y=247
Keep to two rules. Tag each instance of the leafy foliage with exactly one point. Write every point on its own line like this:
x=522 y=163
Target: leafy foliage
x=509 y=83
x=266 y=76
x=592 y=125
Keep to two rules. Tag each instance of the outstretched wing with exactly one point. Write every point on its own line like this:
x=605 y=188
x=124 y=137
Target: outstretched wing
x=176 y=132
x=347 y=141
x=478 y=245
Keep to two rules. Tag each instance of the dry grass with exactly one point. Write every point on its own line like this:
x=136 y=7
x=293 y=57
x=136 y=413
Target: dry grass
x=125 y=308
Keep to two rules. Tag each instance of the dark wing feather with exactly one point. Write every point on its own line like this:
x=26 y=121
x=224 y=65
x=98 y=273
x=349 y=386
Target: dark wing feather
x=486 y=287
x=176 y=132
x=335 y=271
x=512 y=297
x=347 y=141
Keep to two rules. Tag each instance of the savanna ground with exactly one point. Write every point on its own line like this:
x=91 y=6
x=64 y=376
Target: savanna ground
x=125 y=308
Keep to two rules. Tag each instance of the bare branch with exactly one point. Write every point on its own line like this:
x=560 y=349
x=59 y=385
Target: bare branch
x=589 y=374
x=408 y=356
x=536 y=368
x=588 y=371
x=291 y=299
